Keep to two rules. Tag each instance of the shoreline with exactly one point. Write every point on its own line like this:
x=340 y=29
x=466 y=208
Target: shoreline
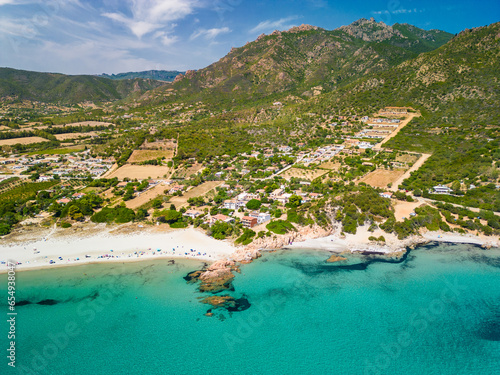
x=115 y=244
x=104 y=246
x=359 y=242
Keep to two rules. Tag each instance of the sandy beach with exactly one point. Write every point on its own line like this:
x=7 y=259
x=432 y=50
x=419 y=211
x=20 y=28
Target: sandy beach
x=35 y=249
x=360 y=242
x=103 y=246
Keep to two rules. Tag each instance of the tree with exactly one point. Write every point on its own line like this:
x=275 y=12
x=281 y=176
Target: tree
x=295 y=200
x=253 y=204
x=172 y=216
x=455 y=186
x=141 y=214
x=172 y=207
x=156 y=203
x=74 y=213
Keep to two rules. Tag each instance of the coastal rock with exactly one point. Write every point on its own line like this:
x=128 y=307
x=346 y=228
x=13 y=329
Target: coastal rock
x=281 y=241
x=217 y=277
x=216 y=281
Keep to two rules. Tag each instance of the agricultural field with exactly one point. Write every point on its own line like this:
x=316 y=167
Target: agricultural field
x=25 y=191
x=23 y=141
x=197 y=191
x=330 y=165
x=407 y=158
x=67 y=136
x=146 y=196
x=158 y=145
x=308 y=174
x=139 y=156
x=185 y=172
x=139 y=171
x=381 y=177
x=58 y=151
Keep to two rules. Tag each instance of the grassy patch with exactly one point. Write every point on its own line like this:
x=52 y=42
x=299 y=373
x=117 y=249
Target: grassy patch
x=57 y=151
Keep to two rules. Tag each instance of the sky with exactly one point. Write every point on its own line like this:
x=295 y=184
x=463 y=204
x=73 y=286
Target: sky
x=114 y=36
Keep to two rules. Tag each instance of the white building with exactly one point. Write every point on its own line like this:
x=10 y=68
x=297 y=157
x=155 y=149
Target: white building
x=441 y=189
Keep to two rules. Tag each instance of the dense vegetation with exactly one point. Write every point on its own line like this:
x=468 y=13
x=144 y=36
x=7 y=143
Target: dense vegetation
x=59 y=88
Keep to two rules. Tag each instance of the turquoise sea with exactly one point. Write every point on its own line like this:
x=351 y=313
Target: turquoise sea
x=436 y=312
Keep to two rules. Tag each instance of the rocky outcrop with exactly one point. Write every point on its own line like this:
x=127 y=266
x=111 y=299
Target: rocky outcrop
x=216 y=278
x=303 y=27
x=370 y=30
x=280 y=241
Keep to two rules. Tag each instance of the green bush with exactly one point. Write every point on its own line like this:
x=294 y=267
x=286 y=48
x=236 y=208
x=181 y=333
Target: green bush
x=280 y=226
x=246 y=237
x=117 y=214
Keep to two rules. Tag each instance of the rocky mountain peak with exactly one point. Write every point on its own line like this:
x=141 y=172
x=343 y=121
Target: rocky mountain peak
x=370 y=30
x=303 y=27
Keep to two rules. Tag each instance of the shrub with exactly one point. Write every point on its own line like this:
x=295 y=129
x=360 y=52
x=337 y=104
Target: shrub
x=246 y=237
x=280 y=226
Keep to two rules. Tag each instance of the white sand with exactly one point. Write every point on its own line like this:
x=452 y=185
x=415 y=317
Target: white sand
x=106 y=247
x=353 y=242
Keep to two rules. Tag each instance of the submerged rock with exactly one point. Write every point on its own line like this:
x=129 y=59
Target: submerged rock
x=335 y=258
x=193 y=277
x=227 y=302
x=220 y=301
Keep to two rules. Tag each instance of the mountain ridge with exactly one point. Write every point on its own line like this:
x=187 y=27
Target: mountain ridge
x=306 y=56
x=61 y=88
x=158 y=75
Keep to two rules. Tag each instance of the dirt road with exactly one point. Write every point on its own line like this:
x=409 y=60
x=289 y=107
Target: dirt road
x=415 y=166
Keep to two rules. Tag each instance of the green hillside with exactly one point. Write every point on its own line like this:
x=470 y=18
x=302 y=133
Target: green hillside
x=66 y=89
x=457 y=90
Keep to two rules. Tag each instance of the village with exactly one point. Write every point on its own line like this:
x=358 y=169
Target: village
x=250 y=189
x=289 y=170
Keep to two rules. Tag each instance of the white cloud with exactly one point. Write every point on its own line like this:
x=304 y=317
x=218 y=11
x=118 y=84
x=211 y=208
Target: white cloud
x=74 y=37
x=398 y=11
x=152 y=15
x=165 y=38
x=19 y=28
x=210 y=34
x=269 y=25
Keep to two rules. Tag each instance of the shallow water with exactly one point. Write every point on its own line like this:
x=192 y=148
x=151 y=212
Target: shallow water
x=437 y=312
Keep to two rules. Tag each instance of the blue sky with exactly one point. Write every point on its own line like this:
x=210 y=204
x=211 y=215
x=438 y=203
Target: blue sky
x=112 y=36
